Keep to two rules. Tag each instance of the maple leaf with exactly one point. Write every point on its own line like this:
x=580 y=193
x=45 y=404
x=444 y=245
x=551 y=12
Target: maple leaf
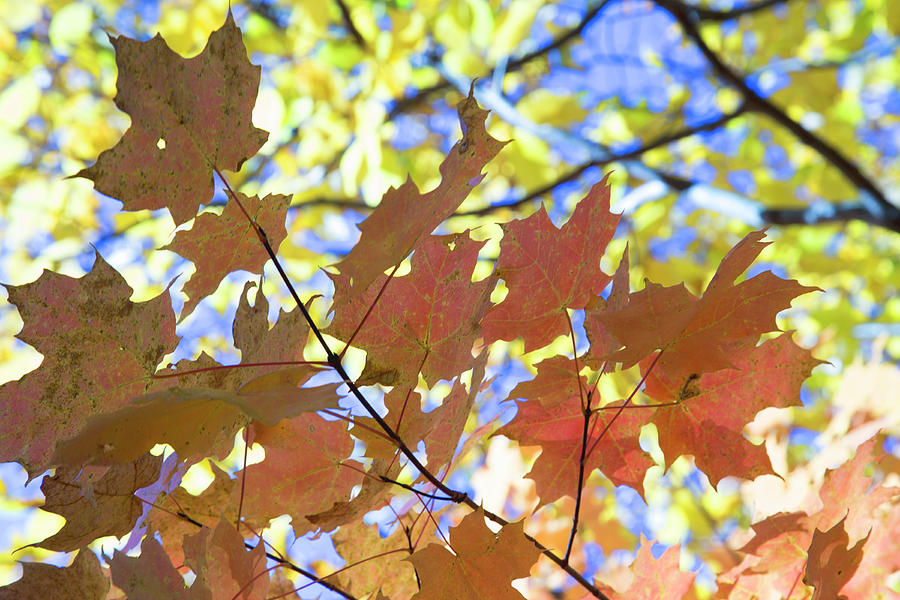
x=557 y=380
x=373 y=494
x=201 y=415
x=559 y=429
x=404 y=416
x=452 y=414
x=831 y=563
x=425 y=321
x=188 y=117
x=549 y=270
x=695 y=333
x=194 y=421
x=775 y=559
x=655 y=578
x=223 y=566
x=99 y=352
x=390 y=573
x=302 y=470
x=440 y=429
x=108 y=507
x=220 y=244
x=846 y=495
x=149 y=576
x=83 y=579
x=260 y=343
x=881 y=558
x=483 y=564
x=602 y=341
x=712 y=409
x=385 y=239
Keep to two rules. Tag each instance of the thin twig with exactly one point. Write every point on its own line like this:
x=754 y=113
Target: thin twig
x=406 y=486
x=587 y=414
x=627 y=402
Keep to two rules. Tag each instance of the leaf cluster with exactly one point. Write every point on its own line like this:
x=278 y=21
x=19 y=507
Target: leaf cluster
x=697 y=368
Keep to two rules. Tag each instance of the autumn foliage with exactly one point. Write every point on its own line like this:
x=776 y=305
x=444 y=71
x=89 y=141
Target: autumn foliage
x=700 y=368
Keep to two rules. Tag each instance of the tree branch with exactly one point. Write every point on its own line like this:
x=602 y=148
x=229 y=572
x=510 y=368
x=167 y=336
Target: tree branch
x=688 y=17
x=706 y=14
x=826 y=212
x=402 y=105
x=351 y=27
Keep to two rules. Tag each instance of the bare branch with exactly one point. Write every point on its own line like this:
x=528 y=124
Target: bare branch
x=403 y=105
x=688 y=18
x=706 y=14
x=348 y=22
x=831 y=213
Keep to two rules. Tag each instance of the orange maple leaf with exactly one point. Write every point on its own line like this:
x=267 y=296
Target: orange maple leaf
x=483 y=564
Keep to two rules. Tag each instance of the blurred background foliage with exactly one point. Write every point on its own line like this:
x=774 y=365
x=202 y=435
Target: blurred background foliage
x=715 y=117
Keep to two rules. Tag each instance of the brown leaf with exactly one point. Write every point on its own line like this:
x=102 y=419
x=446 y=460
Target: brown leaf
x=483 y=564
x=831 y=563
x=99 y=350
x=149 y=576
x=83 y=579
x=108 y=507
x=197 y=108
x=219 y=244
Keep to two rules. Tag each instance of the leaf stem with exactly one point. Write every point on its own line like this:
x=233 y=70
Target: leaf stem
x=279 y=559
x=626 y=403
x=586 y=411
x=369 y=310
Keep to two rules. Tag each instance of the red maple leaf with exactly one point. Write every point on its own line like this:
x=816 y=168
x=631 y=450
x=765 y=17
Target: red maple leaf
x=655 y=578
x=553 y=418
x=224 y=567
x=559 y=430
x=404 y=217
x=426 y=321
x=846 y=494
x=549 y=270
x=774 y=561
x=188 y=117
x=302 y=473
x=712 y=409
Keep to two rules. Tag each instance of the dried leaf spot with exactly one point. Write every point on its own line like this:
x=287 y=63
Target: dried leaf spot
x=691 y=388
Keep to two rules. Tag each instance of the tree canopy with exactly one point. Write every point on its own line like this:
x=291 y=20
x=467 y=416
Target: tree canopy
x=667 y=137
